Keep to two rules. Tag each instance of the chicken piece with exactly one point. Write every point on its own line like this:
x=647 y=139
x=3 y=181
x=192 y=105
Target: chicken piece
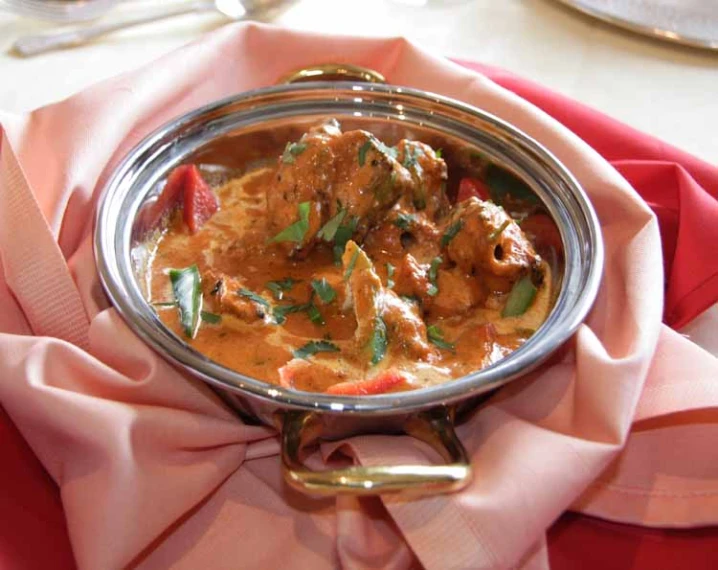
x=457 y=293
x=411 y=279
x=490 y=242
x=373 y=305
x=404 y=232
x=305 y=174
x=224 y=296
x=429 y=175
x=367 y=181
x=453 y=292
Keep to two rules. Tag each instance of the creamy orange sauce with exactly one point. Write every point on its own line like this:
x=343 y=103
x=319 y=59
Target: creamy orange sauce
x=234 y=247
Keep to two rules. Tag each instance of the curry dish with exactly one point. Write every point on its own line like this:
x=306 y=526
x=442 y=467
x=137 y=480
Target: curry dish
x=345 y=268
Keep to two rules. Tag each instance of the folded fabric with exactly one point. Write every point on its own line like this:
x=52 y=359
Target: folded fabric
x=153 y=470
x=680 y=189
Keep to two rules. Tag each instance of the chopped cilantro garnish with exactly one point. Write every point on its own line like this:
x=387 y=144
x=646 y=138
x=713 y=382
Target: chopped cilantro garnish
x=252 y=296
x=278 y=288
x=439 y=153
x=313 y=347
x=390 y=269
x=329 y=230
x=433 y=274
x=298 y=229
x=411 y=157
x=377 y=144
x=378 y=341
x=436 y=337
x=362 y=152
x=343 y=234
x=186 y=289
x=351 y=264
x=325 y=291
x=496 y=233
x=451 y=232
x=314 y=315
x=211 y=318
x=280 y=312
x=291 y=151
x=404 y=221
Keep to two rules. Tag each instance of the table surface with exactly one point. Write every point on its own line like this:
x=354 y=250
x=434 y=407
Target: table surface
x=659 y=88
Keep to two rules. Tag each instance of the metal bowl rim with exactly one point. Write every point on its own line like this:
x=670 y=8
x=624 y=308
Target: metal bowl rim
x=466 y=387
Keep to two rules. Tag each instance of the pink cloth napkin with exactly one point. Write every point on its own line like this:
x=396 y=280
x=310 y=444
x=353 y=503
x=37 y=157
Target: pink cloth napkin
x=155 y=472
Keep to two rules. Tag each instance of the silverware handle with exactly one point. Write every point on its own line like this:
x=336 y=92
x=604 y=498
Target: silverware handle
x=33 y=45
x=435 y=427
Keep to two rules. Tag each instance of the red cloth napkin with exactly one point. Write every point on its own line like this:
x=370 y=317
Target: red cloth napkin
x=681 y=189
x=691 y=282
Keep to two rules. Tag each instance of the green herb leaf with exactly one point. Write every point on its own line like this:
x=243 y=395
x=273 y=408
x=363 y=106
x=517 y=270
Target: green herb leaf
x=211 y=318
x=314 y=315
x=404 y=221
x=278 y=288
x=390 y=269
x=501 y=183
x=497 y=232
x=325 y=291
x=451 y=232
x=329 y=230
x=351 y=264
x=377 y=144
x=520 y=298
x=343 y=234
x=439 y=153
x=411 y=157
x=280 y=312
x=436 y=337
x=291 y=151
x=252 y=296
x=363 y=149
x=298 y=229
x=186 y=289
x=313 y=347
x=433 y=274
x=378 y=341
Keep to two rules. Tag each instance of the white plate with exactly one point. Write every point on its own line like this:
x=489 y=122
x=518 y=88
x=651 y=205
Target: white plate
x=689 y=22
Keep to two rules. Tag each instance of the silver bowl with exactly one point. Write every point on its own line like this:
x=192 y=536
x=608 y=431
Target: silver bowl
x=241 y=131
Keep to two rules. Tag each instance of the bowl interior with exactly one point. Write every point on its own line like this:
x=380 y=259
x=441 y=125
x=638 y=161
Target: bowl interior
x=234 y=136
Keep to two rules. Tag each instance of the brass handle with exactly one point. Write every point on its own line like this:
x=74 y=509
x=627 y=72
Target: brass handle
x=435 y=427
x=334 y=72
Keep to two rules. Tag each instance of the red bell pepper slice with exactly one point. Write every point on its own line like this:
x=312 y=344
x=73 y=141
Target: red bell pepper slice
x=380 y=384
x=544 y=230
x=472 y=187
x=199 y=202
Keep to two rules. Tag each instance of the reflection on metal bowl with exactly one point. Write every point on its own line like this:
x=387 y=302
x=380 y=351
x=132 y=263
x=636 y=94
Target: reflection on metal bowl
x=242 y=131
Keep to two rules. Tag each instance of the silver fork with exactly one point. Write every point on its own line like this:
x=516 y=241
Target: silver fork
x=234 y=9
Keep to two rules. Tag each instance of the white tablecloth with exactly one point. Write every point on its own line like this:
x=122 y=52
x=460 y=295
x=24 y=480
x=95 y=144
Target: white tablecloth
x=664 y=90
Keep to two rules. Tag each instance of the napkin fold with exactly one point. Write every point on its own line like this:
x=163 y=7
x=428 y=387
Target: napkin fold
x=155 y=472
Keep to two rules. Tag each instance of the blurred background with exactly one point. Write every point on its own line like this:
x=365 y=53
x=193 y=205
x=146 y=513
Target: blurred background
x=660 y=88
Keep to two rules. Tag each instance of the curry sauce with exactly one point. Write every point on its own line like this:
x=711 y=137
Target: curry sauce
x=345 y=268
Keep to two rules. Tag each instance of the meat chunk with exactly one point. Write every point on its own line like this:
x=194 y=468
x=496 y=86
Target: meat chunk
x=229 y=295
x=428 y=173
x=490 y=242
x=305 y=174
x=372 y=303
x=367 y=178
